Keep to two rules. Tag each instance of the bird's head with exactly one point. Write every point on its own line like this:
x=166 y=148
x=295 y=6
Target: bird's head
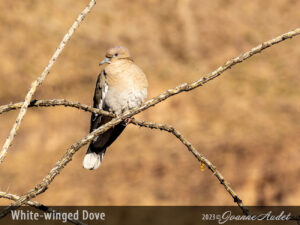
x=114 y=54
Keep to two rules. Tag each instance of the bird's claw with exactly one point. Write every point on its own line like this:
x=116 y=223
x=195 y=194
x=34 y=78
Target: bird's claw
x=127 y=121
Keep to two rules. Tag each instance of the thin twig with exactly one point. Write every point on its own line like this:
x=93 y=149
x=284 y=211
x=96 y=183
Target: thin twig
x=42 y=77
x=54 y=102
x=36 y=205
x=41 y=187
x=198 y=155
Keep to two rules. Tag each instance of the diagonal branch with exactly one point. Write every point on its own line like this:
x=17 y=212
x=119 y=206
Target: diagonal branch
x=36 y=205
x=42 y=77
x=168 y=128
x=16 y=197
x=198 y=156
x=41 y=187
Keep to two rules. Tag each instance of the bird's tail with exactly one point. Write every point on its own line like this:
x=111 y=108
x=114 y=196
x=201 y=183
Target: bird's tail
x=92 y=160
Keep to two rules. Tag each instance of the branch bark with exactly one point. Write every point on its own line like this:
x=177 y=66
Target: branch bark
x=198 y=156
x=54 y=102
x=42 y=77
x=36 y=205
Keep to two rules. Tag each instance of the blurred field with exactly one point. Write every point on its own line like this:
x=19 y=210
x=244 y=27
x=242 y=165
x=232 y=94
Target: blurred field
x=247 y=122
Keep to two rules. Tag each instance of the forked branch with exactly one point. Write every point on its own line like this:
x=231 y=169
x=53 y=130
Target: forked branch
x=36 y=205
x=163 y=127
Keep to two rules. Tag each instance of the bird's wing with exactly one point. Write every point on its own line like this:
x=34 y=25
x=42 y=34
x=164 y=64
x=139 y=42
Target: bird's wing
x=99 y=95
x=105 y=139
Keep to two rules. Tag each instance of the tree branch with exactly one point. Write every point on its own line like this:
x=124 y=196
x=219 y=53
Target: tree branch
x=16 y=197
x=41 y=187
x=198 y=156
x=163 y=127
x=54 y=102
x=42 y=77
x=36 y=205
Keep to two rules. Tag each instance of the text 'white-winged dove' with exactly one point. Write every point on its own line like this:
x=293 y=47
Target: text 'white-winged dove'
x=121 y=86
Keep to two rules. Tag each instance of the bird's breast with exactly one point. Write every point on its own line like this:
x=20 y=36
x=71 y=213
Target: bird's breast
x=127 y=86
x=119 y=101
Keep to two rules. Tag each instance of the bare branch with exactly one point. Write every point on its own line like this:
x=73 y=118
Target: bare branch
x=42 y=77
x=198 y=156
x=41 y=187
x=16 y=197
x=168 y=128
x=54 y=102
x=36 y=205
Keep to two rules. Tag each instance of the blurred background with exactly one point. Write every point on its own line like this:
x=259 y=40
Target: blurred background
x=246 y=122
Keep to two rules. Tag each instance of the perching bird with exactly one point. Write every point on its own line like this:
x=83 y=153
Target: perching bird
x=121 y=86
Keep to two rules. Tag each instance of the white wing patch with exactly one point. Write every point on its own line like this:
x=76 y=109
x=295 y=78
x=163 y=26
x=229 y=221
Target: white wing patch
x=104 y=92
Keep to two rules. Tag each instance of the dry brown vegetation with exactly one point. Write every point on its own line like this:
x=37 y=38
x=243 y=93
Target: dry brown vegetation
x=246 y=122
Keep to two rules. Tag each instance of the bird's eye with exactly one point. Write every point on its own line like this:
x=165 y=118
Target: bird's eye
x=116 y=54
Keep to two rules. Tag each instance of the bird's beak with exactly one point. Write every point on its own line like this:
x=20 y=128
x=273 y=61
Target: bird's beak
x=106 y=60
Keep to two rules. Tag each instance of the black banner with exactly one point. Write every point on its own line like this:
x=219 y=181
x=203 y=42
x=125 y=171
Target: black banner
x=152 y=215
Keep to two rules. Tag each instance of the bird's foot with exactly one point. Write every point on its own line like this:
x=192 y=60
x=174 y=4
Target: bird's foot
x=127 y=121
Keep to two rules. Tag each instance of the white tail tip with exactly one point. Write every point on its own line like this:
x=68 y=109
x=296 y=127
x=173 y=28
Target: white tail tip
x=92 y=160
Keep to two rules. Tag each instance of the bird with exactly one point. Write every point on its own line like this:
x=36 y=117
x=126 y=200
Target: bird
x=120 y=86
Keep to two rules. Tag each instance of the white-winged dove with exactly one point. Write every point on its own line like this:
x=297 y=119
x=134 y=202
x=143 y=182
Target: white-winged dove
x=121 y=86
